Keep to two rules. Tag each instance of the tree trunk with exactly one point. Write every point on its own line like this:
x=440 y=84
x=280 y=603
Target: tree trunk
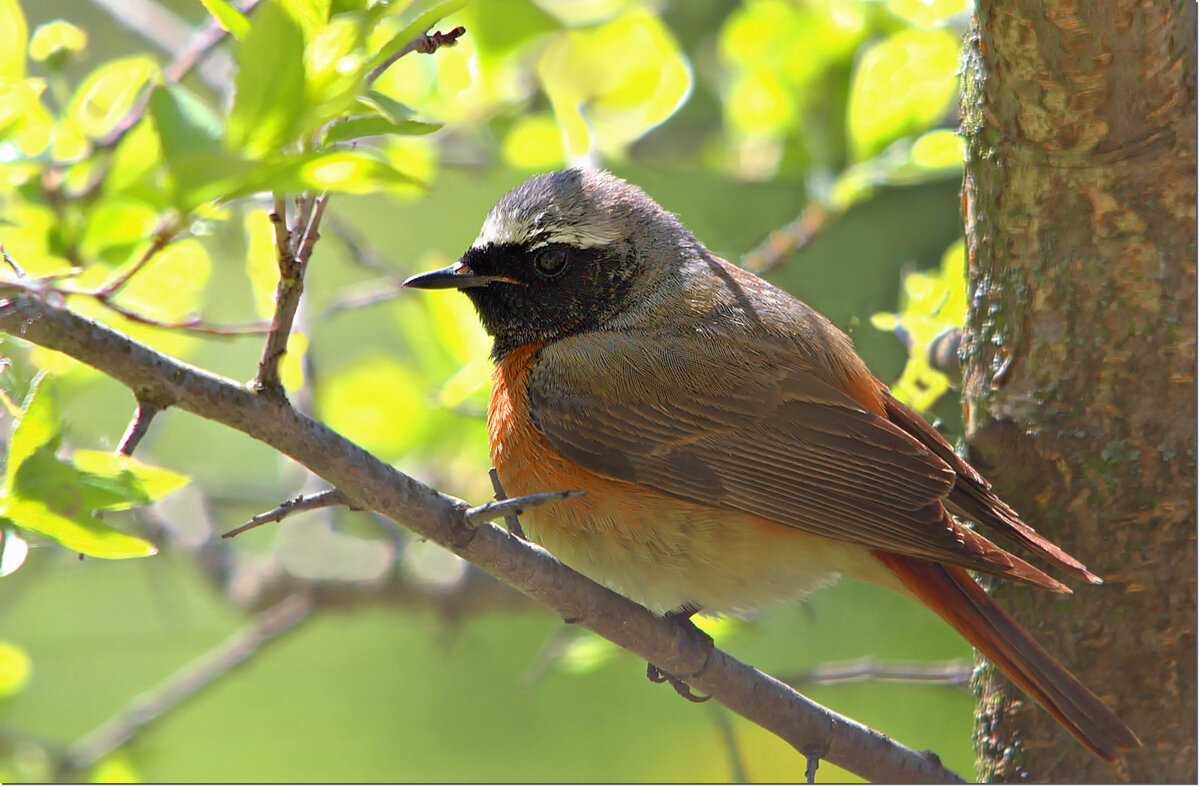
x=1080 y=358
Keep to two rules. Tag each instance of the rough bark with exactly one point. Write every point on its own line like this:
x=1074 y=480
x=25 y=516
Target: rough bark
x=1080 y=355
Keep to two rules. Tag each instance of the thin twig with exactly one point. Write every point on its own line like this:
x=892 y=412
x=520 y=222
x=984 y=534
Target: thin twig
x=278 y=216
x=425 y=44
x=366 y=294
x=192 y=324
x=956 y=672
x=312 y=232
x=293 y=247
x=17 y=269
x=162 y=239
x=299 y=503
x=138 y=427
x=515 y=506
x=510 y=521
x=144 y=710
x=790 y=239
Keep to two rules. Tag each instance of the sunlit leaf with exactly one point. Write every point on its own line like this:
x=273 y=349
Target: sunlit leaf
x=501 y=26
x=373 y=403
x=38 y=426
x=116 y=223
x=310 y=15
x=135 y=166
x=134 y=482
x=269 y=97
x=13 y=551
x=353 y=172
x=902 y=85
x=15 y=667
x=291 y=366
x=626 y=76
x=582 y=13
x=928 y=13
x=334 y=65
x=56 y=39
x=13 y=36
x=358 y=127
x=79 y=532
x=939 y=149
x=758 y=101
x=387 y=106
x=172 y=285
x=930 y=303
x=262 y=267
x=587 y=652
x=23 y=117
x=107 y=94
x=115 y=768
x=534 y=143
x=230 y=18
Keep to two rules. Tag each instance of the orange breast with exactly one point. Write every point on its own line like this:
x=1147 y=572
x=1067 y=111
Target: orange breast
x=659 y=550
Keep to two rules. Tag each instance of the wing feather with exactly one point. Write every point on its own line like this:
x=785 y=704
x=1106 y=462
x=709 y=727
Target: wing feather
x=747 y=433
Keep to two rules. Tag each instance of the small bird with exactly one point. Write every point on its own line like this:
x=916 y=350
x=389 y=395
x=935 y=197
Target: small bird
x=734 y=450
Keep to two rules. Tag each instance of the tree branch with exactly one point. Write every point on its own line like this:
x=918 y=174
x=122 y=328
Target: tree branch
x=372 y=484
x=299 y=503
x=143 y=711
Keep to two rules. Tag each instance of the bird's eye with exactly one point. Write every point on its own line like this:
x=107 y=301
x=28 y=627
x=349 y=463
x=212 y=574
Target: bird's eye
x=551 y=262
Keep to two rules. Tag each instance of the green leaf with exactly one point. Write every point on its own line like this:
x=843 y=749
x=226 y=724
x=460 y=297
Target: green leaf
x=358 y=127
x=270 y=84
x=14 y=34
x=38 y=426
x=387 y=106
x=81 y=533
x=190 y=133
x=310 y=15
x=13 y=550
x=351 y=171
x=107 y=94
x=15 y=667
x=136 y=483
x=902 y=85
x=186 y=124
x=417 y=18
x=54 y=40
x=228 y=17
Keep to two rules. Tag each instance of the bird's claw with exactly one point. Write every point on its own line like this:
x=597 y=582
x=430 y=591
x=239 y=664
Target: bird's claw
x=656 y=675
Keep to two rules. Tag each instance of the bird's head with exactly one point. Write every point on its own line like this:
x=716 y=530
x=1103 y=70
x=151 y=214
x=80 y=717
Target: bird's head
x=563 y=253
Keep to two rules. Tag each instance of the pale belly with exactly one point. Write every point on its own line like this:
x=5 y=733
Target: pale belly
x=677 y=555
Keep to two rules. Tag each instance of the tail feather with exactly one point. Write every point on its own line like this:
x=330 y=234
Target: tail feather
x=960 y=601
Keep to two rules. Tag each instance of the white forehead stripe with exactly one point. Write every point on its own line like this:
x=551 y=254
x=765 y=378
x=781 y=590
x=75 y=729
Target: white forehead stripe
x=500 y=228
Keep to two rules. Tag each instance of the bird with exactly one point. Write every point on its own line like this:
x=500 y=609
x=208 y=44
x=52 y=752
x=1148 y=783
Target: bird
x=733 y=449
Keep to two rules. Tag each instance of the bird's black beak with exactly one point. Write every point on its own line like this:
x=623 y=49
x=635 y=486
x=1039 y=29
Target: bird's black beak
x=458 y=276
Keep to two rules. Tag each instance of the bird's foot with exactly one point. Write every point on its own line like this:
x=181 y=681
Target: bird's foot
x=683 y=617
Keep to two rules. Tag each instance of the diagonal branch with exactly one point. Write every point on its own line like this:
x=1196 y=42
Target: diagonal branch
x=143 y=711
x=372 y=484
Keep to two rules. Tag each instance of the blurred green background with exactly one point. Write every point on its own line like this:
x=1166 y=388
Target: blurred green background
x=737 y=116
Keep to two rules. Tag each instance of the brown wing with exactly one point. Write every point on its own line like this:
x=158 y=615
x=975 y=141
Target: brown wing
x=744 y=432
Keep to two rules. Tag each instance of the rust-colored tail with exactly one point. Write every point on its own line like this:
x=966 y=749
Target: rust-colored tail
x=954 y=595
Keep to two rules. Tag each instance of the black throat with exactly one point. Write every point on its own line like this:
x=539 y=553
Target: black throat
x=533 y=308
